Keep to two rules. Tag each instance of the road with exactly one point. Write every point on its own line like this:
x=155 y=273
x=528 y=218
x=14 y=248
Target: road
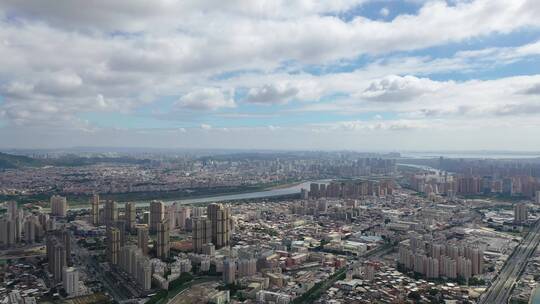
x=84 y=259
x=500 y=289
x=317 y=291
x=177 y=298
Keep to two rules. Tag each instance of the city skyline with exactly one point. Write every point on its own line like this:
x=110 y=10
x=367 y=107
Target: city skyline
x=370 y=75
x=254 y=228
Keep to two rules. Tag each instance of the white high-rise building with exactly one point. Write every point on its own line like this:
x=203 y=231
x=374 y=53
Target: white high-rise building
x=70 y=281
x=520 y=213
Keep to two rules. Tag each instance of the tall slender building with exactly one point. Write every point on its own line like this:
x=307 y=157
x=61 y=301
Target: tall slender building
x=30 y=230
x=201 y=233
x=111 y=213
x=56 y=256
x=121 y=225
x=229 y=271
x=157 y=215
x=95 y=209
x=197 y=211
x=113 y=244
x=142 y=239
x=13 y=210
x=182 y=214
x=8 y=232
x=520 y=213
x=162 y=242
x=219 y=216
x=58 y=205
x=130 y=215
x=171 y=216
x=70 y=281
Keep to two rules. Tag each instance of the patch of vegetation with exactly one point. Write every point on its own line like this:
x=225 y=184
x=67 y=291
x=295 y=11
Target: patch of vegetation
x=10 y=161
x=232 y=288
x=174 y=288
x=315 y=292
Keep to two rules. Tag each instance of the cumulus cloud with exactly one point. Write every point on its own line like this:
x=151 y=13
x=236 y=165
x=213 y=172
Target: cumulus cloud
x=206 y=99
x=533 y=90
x=63 y=59
x=136 y=15
x=398 y=89
x=270 y=94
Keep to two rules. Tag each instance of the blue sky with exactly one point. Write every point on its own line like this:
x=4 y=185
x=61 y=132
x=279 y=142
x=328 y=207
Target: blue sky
x=362 y=75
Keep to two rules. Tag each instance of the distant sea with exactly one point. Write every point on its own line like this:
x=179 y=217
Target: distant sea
x=472 y=154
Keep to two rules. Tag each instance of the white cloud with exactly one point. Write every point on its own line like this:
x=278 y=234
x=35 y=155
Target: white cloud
x=271 y=94
x=398 y=89
x=533 y=89
x=206 y=127
x=65 y=58
x=384 y=12
x=475 y=99
x=358 y=125
x=206 y=99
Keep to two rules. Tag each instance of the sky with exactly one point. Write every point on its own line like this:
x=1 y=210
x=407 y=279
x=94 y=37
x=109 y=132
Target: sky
x=368 y=75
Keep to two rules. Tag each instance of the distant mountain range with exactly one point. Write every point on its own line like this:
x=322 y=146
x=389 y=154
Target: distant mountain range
x=10 y=161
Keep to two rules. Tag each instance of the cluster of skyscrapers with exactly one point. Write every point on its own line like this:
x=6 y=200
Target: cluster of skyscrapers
x=214 y=228
x=17 y=227
x=350 y=189
x=135 y=263
x=433 y=260
x=58 y=248
x=526 y=186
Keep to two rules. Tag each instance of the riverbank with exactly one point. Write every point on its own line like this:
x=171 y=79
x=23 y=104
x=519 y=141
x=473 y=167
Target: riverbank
x=83 y=200
x=292 y=190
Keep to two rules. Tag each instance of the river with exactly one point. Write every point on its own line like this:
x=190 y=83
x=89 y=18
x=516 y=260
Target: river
x=295 y=189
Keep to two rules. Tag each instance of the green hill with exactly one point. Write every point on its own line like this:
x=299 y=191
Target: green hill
x=10 y=161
